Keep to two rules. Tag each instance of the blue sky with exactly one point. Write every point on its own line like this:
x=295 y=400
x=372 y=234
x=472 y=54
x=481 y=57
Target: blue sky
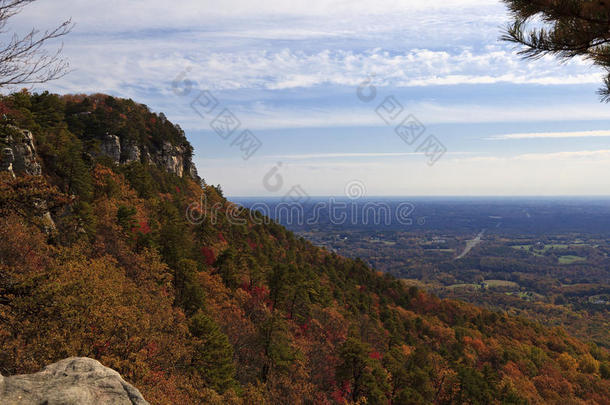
x=290 y=70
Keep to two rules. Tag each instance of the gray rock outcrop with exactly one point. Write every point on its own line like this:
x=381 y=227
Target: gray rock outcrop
x=111 y=147
x=24 y=160
x=172 y=158
x=131 y=152
x=193 y=171
x=18 y=154
x=6 y=164
x=72 y=381
x=19 y=158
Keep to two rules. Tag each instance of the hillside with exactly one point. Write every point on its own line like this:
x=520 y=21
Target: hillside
x=99 y=258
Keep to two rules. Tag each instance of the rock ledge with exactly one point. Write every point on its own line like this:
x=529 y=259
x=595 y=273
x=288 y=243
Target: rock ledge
x=72 y=381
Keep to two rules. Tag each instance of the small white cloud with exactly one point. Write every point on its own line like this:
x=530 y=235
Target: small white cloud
x=353 y=155
x=552 y=135
x=602 y=155
x=340 y=155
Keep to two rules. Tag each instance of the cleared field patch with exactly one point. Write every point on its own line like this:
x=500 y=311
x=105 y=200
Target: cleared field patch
x=556 y=246
x=527 y=295
x=464 y=286
x=571 y=259
x=501 y=284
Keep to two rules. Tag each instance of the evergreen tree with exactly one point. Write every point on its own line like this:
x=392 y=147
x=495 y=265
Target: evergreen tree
x=126 y=217
x=213 y=357
x=73 y=169
x=227 y=268
x=364 y=374
x=174 y=237
x=278 y=352
x=572 y=28
x=189 y=293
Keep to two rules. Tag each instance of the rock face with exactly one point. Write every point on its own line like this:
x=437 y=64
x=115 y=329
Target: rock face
x=18 y=154
x=131 y=152
x=172 y=158
x=111 y=147
x=24 y=157
x=72 y=381
x=6 y=164
x=19 y=158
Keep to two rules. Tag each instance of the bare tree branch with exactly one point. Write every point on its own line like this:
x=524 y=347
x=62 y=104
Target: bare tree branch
x=24 y=60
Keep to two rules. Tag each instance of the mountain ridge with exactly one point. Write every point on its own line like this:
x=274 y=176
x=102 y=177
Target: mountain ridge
x=233 y=312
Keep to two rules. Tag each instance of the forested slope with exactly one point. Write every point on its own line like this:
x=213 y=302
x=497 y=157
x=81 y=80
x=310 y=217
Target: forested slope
x=238 y=311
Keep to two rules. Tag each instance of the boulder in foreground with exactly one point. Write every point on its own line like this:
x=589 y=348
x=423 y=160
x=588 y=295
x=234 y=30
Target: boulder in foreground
x=72 y=381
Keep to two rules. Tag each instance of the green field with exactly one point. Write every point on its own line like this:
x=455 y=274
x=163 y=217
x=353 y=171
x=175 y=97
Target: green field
x=501 y=284
x=527 y=295
x=566 y=259
x=464 y=286
x=571 y=259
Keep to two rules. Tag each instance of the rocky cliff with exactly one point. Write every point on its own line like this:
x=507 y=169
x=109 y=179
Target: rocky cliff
x=173 y=158
x=73 y=381
x=19 y=158
x=19 y=152
x=121 y=130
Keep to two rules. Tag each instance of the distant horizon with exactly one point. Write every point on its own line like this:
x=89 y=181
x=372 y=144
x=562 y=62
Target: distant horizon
x=600 y=196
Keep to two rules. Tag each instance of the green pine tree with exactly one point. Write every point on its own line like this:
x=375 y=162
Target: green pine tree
x=189 y=293
x=365 y=375
x=213 y=358
x=571 y=28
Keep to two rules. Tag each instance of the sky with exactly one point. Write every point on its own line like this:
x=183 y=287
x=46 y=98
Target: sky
x=395 y=98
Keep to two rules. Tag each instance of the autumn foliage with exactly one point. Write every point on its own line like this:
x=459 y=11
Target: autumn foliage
x=221 y=313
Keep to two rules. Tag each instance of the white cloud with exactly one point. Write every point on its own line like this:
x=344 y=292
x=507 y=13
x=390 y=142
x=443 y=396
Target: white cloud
x=603 y=154
x=155 y=63
x=340 y=155
x=262 y=116
x=552 y=135
x=277 y=45
x=120 y=15
x=573 y=156
x=353 y=155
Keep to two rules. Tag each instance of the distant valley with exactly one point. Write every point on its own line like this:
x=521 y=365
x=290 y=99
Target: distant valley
x=546 y=259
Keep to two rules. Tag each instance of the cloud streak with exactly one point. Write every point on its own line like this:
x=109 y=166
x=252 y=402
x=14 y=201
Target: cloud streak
x=354 y=155
x=551 y=135
x=262 y=116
